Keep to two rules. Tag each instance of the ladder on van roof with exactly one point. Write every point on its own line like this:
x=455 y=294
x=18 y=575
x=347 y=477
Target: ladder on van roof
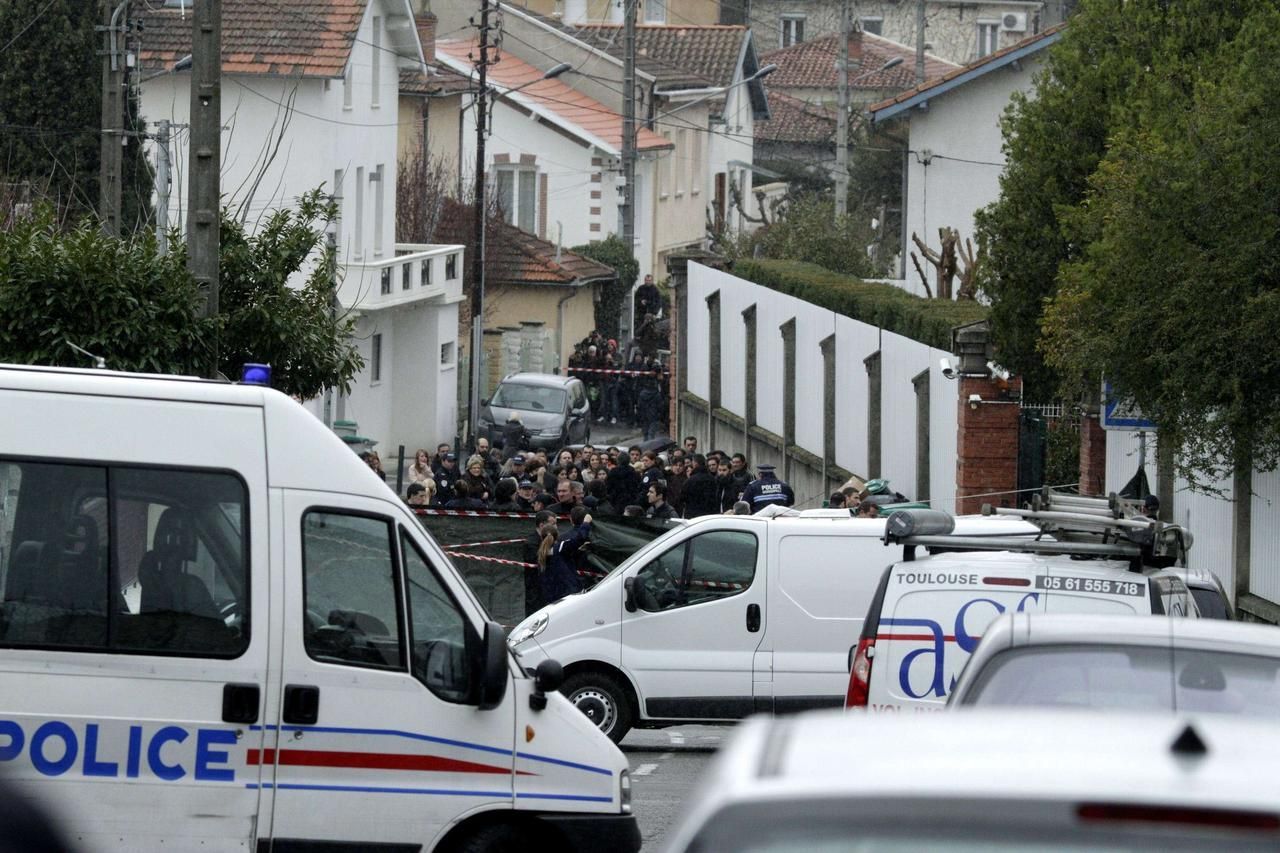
x=1069 y=525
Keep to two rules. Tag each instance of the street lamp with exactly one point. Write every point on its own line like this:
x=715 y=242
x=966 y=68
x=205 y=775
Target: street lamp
x=712 y=92
x=477 y=258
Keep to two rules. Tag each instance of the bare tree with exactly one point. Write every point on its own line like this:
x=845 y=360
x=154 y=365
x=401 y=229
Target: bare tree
x=422 y=184
x=943 y=262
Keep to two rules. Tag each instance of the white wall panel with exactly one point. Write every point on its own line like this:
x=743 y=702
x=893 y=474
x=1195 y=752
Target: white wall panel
x=1264 y=544
x=854 y=342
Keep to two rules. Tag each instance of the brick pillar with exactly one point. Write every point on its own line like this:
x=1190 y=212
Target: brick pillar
x=987 y=443
x=1093 y=455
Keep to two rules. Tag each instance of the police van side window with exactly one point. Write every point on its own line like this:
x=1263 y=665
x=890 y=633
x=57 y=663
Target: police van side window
x=115 y=559
x=712 y=566
x=350 y=590
x=438 y=630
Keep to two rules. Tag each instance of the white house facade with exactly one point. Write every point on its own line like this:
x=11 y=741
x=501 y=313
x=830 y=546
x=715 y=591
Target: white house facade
x=309 y=101
x=954 y=140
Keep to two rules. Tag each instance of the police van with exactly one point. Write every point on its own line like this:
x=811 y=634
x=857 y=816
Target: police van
x=221 y=630
x=929 y=612
x=722 y=617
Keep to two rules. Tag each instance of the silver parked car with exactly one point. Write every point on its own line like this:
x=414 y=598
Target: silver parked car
x=1124 y=663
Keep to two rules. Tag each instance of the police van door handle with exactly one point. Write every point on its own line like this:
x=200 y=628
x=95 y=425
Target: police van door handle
x=301 y=704
x=240 y=703
x=753 y=617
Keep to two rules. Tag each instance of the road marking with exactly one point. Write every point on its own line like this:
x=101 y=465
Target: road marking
x=644 y=770
x=677 y=739
x=665 y=756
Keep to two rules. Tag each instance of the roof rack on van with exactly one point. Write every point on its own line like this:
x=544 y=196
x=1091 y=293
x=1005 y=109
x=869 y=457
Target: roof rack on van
x=1069 y=525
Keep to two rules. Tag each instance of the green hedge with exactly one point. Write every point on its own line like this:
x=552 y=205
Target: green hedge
x=928 y=321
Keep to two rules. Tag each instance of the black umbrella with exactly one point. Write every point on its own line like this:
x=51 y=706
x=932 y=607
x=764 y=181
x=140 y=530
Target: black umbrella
x=659 y=444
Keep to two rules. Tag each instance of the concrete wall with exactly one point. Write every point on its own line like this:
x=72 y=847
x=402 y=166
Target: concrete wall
x=508 y=307
x=726 y=428
x=1209 y=517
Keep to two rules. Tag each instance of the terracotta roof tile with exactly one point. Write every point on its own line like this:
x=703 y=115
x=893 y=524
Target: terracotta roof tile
x=515 y=256
x=554 y=96
x=311 y=38
x=811 y=64
x=793 y=120
x=675 y=55
x=436 y=80
x=931 y=80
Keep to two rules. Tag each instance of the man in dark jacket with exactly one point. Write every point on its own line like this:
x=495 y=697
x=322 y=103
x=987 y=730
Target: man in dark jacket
x=734 y=482
x=514 y=436
x=658 y=506
x=767 y=489
x=700 y=493
x=447 y=475
x=622 y=483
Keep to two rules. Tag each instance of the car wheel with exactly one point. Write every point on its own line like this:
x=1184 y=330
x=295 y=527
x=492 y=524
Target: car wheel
x=602 y=699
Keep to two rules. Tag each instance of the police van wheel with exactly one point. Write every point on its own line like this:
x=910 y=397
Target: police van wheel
x=602 y=699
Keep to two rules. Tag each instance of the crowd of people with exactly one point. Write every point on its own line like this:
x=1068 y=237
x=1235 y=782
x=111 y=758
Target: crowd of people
x=679 y=483
x=636 y=397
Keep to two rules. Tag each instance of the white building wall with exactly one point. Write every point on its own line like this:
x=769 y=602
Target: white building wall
x=957 y=160
x=1264 y=544
x=901 y=360
x=317 y=135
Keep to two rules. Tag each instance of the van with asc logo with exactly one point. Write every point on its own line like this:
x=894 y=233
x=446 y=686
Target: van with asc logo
x=221 y=630
x=929 y=612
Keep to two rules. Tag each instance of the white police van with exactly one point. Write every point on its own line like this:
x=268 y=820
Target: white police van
x=220 y=629
x=929 y=613
x=722 y=617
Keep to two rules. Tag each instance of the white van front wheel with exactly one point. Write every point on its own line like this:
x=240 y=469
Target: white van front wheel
x=602 y=699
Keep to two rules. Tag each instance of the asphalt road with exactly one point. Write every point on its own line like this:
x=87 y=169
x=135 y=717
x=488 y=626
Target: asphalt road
x=666 y=765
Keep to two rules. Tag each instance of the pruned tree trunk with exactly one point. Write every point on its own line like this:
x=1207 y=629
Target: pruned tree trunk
x=969 y=272
x=943 y=261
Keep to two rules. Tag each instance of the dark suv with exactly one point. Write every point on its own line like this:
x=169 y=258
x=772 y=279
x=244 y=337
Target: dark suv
x=554 y=409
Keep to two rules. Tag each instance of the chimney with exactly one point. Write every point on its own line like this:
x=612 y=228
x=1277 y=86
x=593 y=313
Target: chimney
x=855 y=46
x=426 y=22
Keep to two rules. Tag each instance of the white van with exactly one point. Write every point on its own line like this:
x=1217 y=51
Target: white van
x=722 y=617
x=221 y=630
x=929 y=613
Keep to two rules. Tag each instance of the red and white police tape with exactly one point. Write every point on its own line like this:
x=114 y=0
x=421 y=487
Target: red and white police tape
x=605 y=371
x=482 y=544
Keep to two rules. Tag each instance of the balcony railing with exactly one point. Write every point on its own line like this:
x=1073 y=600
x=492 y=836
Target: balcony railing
x=419 y=271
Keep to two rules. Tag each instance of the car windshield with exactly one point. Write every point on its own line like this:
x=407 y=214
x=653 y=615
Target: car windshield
x=529 y=398
x=1210 y=602
x=1130 y=678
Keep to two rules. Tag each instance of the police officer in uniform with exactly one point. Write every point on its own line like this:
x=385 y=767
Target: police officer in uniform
x=767 y=489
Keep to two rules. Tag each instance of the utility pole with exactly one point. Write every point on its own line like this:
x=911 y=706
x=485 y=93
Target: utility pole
x=842 y=115
x=627 y=205
x=482 y=62
x=919 y=41
x=114 y=95
x=203 y=188
x=162 y=185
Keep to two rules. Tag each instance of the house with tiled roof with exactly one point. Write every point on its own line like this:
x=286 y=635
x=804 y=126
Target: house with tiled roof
x=310 y=98
x=807 y=70
x=540 y=297
x=954 y=31
x=696 y=89
x=954 y=141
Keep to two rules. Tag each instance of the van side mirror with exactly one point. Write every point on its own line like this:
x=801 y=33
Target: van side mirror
x=630 y=602
x=493 y=669
x=547 y=678
x=484 y=401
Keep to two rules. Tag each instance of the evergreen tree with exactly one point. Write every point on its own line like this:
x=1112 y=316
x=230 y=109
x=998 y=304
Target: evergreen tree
x=50 y=109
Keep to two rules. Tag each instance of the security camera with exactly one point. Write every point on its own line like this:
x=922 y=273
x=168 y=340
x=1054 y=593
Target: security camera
x=948 y=369
x=974 y=400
